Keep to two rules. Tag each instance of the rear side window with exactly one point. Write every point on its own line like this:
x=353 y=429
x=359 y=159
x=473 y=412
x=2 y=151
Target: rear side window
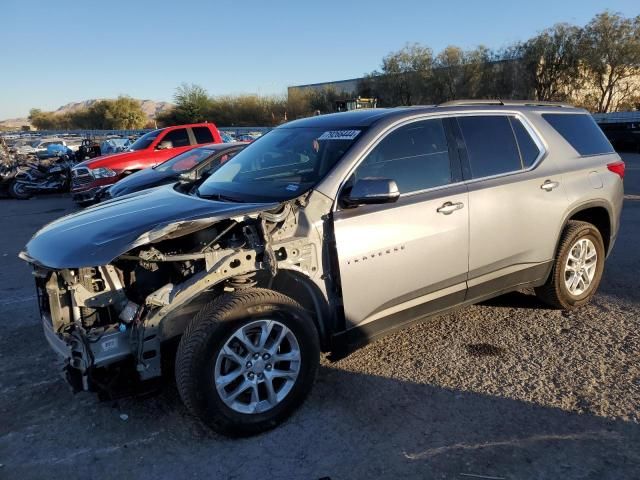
x=491 y=145
x=529 y=151
x=178 y=138
x=203 y=135
x=581 y=131
x=416 y=156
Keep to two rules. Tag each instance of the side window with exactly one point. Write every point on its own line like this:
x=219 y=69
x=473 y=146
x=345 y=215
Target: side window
x=491 y=145
x=416 y=156
x=202 y=134
x=178 y=138
x=220 y=160
x=529 y=151
x=581 y=131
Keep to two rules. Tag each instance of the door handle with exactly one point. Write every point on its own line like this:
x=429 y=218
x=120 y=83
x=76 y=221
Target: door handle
x=448 y=208
x=548 y=185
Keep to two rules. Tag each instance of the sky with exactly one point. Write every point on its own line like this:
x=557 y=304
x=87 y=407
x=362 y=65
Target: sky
x=55 y=52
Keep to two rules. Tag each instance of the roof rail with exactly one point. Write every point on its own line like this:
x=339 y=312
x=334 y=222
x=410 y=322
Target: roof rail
x=522 y=103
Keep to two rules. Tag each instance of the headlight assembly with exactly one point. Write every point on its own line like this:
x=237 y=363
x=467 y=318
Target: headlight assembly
x=103 y=172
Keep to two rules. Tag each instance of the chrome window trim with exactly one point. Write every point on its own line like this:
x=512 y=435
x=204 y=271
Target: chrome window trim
x=531 y=129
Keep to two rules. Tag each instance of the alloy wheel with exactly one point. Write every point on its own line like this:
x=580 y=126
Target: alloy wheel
x=257 y=367
x=580 y=267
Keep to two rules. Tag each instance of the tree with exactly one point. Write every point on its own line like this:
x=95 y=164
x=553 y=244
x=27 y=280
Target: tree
x=405 y=74
x=192 y=103
x=125 y=113
x=611 y=58
x=42 y=120
x=551 y=61
x=448 y=73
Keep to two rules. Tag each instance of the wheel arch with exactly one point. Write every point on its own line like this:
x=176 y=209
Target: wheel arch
x=304 y=291
x=599 y=213
x=291 y=283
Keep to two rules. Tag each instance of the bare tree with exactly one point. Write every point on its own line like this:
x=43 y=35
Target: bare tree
x=405 y=74
x=611 y=53
x=551 y=60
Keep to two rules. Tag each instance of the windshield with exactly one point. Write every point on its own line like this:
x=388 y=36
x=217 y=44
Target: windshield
x=145 y=140
x=185 y=161
x=281 y=165
x=36 y=143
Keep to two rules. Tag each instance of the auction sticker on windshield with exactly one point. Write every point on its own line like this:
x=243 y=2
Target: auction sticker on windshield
x=339 y=135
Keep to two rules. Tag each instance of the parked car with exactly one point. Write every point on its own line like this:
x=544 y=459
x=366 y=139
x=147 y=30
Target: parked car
x=320 y=236
x=190 y=165
x=624 y=136
x=92 y=176
x=15 y=143
x=227 y=137
x=245 y=137
x=115 y=145
x=39 y=145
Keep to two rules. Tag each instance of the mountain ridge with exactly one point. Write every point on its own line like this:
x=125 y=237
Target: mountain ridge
x=151 y=108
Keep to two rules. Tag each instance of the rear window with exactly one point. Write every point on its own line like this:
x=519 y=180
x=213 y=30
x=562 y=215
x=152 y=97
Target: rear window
x=581 y=131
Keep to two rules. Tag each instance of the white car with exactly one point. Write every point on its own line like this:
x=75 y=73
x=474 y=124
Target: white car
x=39 y=145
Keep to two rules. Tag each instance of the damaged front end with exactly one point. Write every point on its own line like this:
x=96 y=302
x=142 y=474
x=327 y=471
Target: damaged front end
x=89 y=321
x=111 y=322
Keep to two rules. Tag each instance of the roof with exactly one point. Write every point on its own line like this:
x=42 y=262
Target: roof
x=368 y=116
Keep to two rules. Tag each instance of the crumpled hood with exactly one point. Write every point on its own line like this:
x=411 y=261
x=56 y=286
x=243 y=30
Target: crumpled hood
x=97 y=235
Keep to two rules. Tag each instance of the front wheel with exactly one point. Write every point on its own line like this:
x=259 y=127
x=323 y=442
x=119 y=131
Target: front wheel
x=247 y=360
x=577 y=268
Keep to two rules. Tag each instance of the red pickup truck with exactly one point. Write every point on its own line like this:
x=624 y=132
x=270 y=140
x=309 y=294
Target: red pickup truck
x=90 y=177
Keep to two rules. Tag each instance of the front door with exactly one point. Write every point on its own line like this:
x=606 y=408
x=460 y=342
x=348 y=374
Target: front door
x=403 y=260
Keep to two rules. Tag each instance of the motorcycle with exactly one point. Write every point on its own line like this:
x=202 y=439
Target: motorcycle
x=8 y=173
x=38 y=178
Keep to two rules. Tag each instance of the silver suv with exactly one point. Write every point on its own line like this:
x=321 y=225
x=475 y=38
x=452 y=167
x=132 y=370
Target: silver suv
x=321 y=235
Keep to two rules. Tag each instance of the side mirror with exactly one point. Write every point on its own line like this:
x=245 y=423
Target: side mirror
x=164 y=145
x=371 y=191
x=191 y=176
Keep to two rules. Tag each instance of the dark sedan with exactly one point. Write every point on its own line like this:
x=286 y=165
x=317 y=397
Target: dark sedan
x=191 y=164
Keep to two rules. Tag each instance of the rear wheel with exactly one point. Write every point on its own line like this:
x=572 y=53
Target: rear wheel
x=247 y=360
x=577 y=269
x=18 y=190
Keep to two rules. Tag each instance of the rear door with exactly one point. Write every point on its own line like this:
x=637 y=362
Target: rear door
x=516 y=202
x=402 y=260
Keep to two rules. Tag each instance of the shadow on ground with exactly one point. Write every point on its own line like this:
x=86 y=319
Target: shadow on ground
x=353 y=426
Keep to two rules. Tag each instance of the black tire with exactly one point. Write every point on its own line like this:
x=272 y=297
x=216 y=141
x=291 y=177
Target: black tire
x=207 y=334
x=16 y=190
x=555 y=292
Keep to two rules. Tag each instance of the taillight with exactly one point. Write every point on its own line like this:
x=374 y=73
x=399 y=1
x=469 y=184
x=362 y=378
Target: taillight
x=617 y=168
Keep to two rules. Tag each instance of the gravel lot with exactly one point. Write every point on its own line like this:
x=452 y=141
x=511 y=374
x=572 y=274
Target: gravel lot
x=507 y=389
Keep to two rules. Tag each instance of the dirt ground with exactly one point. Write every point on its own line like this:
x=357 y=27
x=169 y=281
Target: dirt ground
x=503 y=390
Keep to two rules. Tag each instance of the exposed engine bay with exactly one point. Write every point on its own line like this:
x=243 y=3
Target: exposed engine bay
x=113 y=319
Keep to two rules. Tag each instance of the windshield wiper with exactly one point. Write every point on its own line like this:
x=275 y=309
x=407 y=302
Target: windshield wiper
x=220 y=197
